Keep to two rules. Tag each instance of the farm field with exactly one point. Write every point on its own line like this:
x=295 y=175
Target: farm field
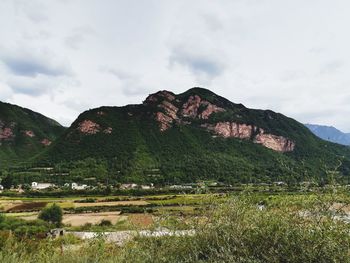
x=295 y=221
x=128 y=212
x=87 y=213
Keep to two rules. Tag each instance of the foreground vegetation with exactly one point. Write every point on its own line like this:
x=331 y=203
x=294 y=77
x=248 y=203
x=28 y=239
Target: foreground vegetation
x=304 y=228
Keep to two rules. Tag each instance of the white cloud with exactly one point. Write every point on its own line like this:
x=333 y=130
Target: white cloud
x=291 y=56
x=31 y=62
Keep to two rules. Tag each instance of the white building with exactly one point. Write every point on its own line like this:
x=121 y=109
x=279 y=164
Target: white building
x=41 y=186
x=76 y=186
x=180 y=187
x=128 y=186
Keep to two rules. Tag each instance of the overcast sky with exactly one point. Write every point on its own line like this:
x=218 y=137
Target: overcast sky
x=61 y=57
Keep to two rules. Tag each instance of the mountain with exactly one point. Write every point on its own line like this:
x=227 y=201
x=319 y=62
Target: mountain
x=330 y=133
x=195 y=135
x=24 y=133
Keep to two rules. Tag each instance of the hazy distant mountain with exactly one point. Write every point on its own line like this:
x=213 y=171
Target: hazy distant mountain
x=330 y=133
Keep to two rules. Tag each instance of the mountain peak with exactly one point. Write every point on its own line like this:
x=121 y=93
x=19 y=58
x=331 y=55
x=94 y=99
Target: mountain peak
x=199 y=91
x=329 y=133
x=160 y=95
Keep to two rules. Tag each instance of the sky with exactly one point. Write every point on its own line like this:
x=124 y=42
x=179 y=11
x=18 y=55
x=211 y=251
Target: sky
x=62 y=57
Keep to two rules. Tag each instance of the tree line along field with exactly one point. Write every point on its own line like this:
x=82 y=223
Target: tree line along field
x=241 y=227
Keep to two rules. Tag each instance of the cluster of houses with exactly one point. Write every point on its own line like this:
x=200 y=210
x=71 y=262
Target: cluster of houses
x=75 y=186
x=136 y=186
x=42 y=186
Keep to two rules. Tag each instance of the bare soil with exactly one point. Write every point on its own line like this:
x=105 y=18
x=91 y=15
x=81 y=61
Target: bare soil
x=141 y=220
x=92 y=218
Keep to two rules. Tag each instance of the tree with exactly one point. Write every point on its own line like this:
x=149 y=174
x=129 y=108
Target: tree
x=8 y=181
x=52 y=214
x=2 y=218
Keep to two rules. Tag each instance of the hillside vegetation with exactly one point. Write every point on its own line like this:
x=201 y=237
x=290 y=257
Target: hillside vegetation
x=24 y=133
x=192 y=136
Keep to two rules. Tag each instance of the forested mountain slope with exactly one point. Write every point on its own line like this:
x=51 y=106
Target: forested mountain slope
x=24 y=133
x=196 y=135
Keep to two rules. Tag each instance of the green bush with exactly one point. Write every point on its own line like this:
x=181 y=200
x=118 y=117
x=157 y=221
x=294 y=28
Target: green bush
x=52 y=214
x=105 y=223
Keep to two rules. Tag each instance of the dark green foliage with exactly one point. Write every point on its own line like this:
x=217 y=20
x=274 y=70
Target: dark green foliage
x=8 y=181
x=105 y=222
x=22 y=228
x=52 y=214
x=21 y=147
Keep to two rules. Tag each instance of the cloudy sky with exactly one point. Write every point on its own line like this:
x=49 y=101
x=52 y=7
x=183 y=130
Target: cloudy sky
x=61 y=57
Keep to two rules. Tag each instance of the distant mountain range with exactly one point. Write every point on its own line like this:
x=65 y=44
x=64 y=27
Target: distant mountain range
x=329 y=133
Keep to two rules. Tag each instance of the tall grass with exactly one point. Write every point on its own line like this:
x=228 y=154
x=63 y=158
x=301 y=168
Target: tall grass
x=234 y=231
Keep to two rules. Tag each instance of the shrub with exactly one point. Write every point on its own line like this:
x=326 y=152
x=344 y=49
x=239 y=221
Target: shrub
x=52 y=214
x=105 y=222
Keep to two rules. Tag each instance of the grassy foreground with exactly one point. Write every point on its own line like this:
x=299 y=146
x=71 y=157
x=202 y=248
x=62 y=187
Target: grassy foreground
x=233 y=231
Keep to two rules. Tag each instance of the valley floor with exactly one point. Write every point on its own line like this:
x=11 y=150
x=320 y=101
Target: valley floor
x=245 y=227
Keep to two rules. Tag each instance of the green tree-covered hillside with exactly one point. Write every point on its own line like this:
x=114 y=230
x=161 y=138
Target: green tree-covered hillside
x=193 y=136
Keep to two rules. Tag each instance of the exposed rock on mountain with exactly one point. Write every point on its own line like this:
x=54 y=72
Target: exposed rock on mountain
x=89 y=127
x=244 y=131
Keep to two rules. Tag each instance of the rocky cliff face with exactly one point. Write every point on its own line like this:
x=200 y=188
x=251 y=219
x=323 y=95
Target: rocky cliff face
x=232 y=130
x=192 y=108
x=182 y=112
x=257 y=135
x=277 y=143
x=89 y=127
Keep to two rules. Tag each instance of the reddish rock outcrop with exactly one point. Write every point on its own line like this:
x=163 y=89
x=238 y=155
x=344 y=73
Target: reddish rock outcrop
x=193 y=104
x=89 y=127
x=170 y=109
x=211 y=108
x=232 y=129
x=277 y=143
x=6 y=133
x=190 y=108
x=46 y=142
x=164 y=120
x=258 y=135
x=29 y=133
x=194 y=107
